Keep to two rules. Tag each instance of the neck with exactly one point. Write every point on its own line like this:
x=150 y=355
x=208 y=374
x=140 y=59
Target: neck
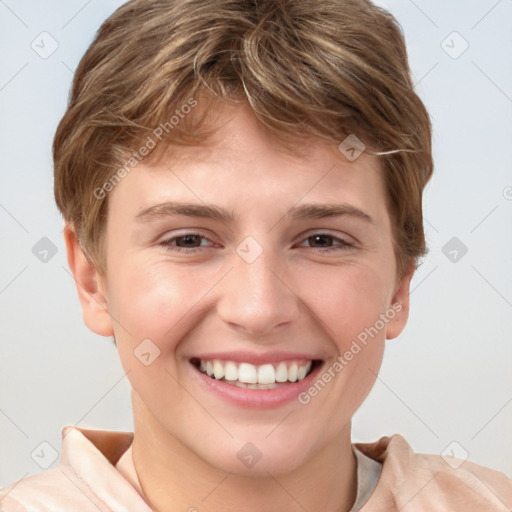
x=173 y=478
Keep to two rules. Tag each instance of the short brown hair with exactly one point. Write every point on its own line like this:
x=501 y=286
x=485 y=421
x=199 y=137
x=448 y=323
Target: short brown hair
x=307 y=68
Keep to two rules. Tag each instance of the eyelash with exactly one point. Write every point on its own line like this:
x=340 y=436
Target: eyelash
x=341 y=243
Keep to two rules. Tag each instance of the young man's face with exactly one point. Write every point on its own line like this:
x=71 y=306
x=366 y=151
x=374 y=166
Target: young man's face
x=239 y=253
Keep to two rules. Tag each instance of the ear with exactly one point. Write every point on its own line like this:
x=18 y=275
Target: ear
x=90 y=287
x=400 y=306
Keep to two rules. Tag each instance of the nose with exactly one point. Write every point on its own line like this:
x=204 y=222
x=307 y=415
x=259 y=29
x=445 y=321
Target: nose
x=256 y=297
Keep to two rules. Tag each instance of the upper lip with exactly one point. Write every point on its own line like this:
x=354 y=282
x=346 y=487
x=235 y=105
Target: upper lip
x=255 y=358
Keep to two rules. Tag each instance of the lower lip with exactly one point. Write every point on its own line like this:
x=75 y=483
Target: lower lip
x=257 y=398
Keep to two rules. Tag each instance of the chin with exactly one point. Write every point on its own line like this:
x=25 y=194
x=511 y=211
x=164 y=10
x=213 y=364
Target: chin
x=257 y=458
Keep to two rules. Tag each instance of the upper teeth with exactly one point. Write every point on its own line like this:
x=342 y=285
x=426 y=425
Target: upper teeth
x=291 y=371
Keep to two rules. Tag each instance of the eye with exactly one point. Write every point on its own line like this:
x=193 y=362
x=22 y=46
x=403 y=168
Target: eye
x=326 y=241
x=188 y=242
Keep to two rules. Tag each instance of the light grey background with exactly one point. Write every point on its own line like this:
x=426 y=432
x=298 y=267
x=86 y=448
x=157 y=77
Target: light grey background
x=447 y=378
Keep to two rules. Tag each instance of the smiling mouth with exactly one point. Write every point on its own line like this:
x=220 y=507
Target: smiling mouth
x=247 y=375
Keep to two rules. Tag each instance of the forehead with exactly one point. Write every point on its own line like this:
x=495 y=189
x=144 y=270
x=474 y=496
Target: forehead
x=242 y=167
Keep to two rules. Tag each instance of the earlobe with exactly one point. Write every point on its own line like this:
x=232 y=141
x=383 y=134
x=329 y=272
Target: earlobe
x=89 y=285
x=400 y=306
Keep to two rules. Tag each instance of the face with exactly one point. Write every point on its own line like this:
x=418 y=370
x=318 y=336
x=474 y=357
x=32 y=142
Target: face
x=250 y=293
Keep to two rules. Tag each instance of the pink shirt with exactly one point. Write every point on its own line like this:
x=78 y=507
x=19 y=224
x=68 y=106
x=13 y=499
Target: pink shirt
x=96 y=473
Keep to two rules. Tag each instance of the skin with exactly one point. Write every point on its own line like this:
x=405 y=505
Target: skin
x=302 y=294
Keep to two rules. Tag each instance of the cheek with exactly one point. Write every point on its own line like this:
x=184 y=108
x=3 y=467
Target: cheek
x=158 y=301
x=347 y=300
x=348 y=305
x=152 y=307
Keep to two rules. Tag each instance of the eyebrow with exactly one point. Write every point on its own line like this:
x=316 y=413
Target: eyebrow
x=208 y=211
x=320 y=211
x=170 y=208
